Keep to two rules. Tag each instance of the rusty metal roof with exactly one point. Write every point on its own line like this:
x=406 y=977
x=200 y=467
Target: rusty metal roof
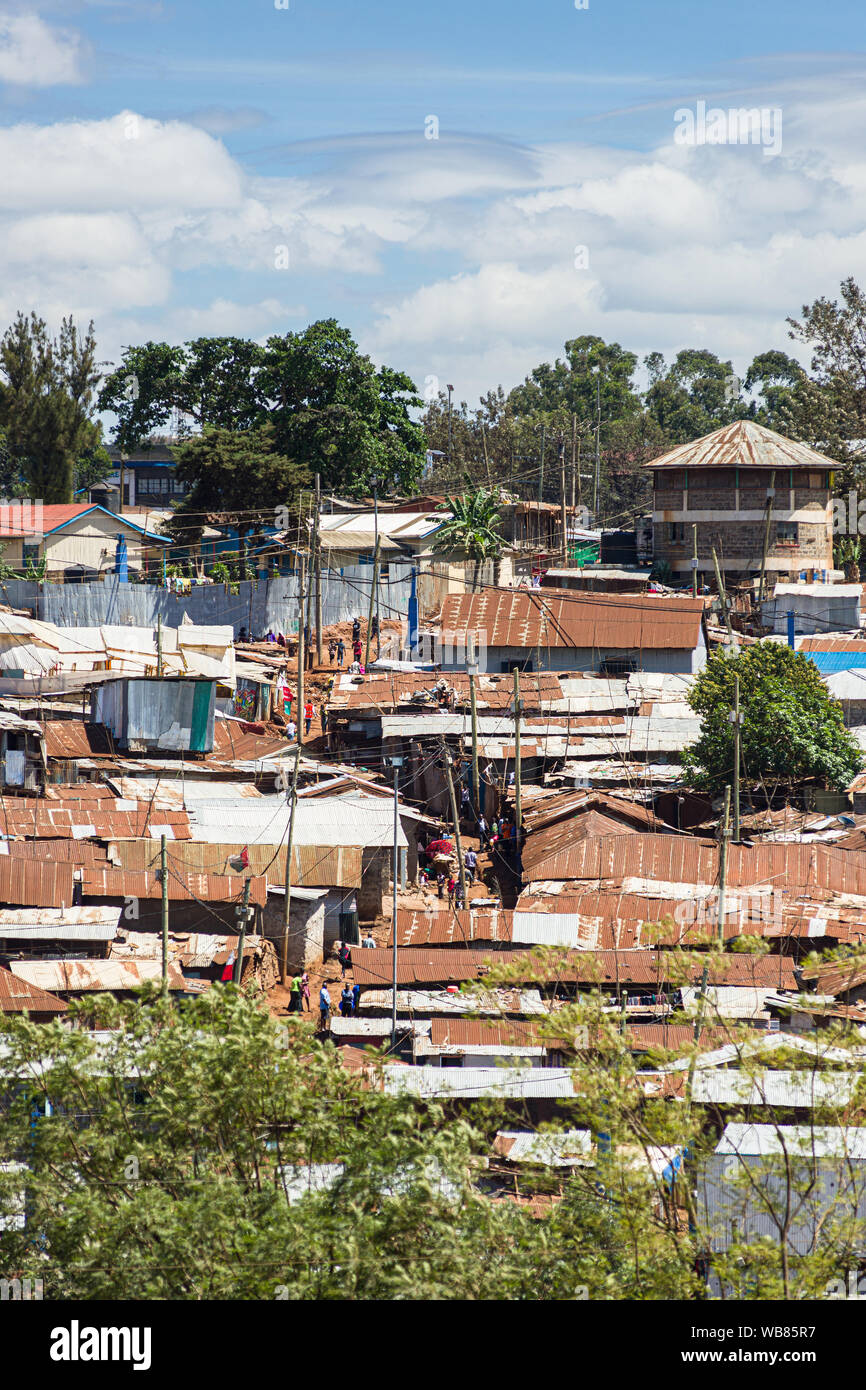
x=742 y=445
x=97 y=882
x=477 y=1032
x=671 y=859
x=76 y=738
x=523 y=618
x=313 y=866
x=17 y=995
x=433 y=928
x=77 y=976
x=234 y=741
x=56 y=820
x=831 y=644
x=35 y=884
x=64 y=851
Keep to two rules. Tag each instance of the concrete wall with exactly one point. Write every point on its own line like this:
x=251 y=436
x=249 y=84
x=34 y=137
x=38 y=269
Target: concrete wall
x=667 y=660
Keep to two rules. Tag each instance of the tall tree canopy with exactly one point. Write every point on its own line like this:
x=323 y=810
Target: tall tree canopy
x=47 y=392
x=332 y=411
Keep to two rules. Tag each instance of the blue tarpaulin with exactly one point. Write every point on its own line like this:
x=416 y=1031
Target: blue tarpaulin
x=829 y=663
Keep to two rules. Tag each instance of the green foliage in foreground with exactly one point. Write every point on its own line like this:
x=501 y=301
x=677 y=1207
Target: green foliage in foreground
x=176 y=1165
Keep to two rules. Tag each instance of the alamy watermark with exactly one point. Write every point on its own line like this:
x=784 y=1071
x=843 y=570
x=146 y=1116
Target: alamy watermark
x=755 y=125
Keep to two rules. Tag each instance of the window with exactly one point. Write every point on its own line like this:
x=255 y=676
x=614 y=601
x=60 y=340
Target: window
x=29 y=553
x=787 y=533
x=618 y=666
x=677 y=533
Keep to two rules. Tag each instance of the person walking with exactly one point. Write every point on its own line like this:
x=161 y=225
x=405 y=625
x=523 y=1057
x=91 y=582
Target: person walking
x=292 y=730
x=356 y=629
x=341 y=652
x=357 y=650
x=369 y=942
x=482 y=831
x=324 y=1008
x=356 y=995
x=345 y=957
x=305 y=992
x=452 y=884
x=332 y=650
x=470 y=861
x=309 y=712
x=346 y=1002
x=440 y=884
x=295 y=995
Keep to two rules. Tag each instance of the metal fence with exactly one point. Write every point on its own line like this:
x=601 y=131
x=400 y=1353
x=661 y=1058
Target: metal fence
x=257 y=606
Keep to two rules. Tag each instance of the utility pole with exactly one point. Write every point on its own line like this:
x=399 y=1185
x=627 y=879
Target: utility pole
x=159 y=645
x=771 y=493
x=596 y=483
x=287 y=905
x=705 y=974
x=486 y=455
x=243 y=913
x=396 y=763
x=449 y=388
x=163 y=864
x=736 y=722
x=695 y=561
x=317 y=541
x=720 y=585
x=563 y=502
x=301 y=652
x=374 y=587
x=476 y=782
x=541 y=483
x=457 y=840
x=518 y=811
x=575 y=486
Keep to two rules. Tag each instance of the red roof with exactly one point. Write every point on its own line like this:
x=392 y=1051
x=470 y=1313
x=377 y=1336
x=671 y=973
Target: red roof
x=552 y=618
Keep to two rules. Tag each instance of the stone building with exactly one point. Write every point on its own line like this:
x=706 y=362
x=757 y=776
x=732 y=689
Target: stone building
x=724 y=484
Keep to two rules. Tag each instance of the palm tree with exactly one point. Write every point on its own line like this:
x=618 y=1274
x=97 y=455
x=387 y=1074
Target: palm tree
x=849 y=553
x=473 y=527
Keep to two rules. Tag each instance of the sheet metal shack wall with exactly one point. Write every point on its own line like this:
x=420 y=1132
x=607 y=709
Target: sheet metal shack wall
x=149 y=714
x=256 y=606
x=732 y=1207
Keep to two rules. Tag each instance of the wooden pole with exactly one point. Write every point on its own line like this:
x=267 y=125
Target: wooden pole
x=695 y=561
x=737 y=759
x=287 y=905
x=771 y=490
x=518 y=810
x=373 y=589
x=476 y=782
x=457 y=839
x=318 y=562
x=301 y=652
x=163 y=864
x=563 y=501
x=243 y=914
x=720 y=585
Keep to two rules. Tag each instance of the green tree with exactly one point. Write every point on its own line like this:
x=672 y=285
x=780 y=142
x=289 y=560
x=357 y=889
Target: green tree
x=473 y=528
x=791 y=729
x=339 y=416
x=239 y=480
x=47 y=393
x=694 y=396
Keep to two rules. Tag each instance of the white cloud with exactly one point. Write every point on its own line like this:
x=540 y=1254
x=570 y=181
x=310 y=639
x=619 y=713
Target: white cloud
x=34 y=55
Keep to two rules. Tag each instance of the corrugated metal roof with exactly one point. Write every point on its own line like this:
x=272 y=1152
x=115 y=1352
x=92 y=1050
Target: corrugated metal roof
x=432 y=928
x=522 y=618
x=560 y=1149
x=475 y=1032
x=822 y=1141
x=182 y=887
x=59 y=851
x=76 y=738
x=35 y=884
x=428 y=1002
x=743 y=444
x=78 y=976
x=313 y=866
x=92 y=820
x=17 y=995
x=473 y=1083
x=798 y=1089
x=333 y=821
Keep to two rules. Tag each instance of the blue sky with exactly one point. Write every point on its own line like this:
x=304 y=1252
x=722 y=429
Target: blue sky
x=168 y=159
